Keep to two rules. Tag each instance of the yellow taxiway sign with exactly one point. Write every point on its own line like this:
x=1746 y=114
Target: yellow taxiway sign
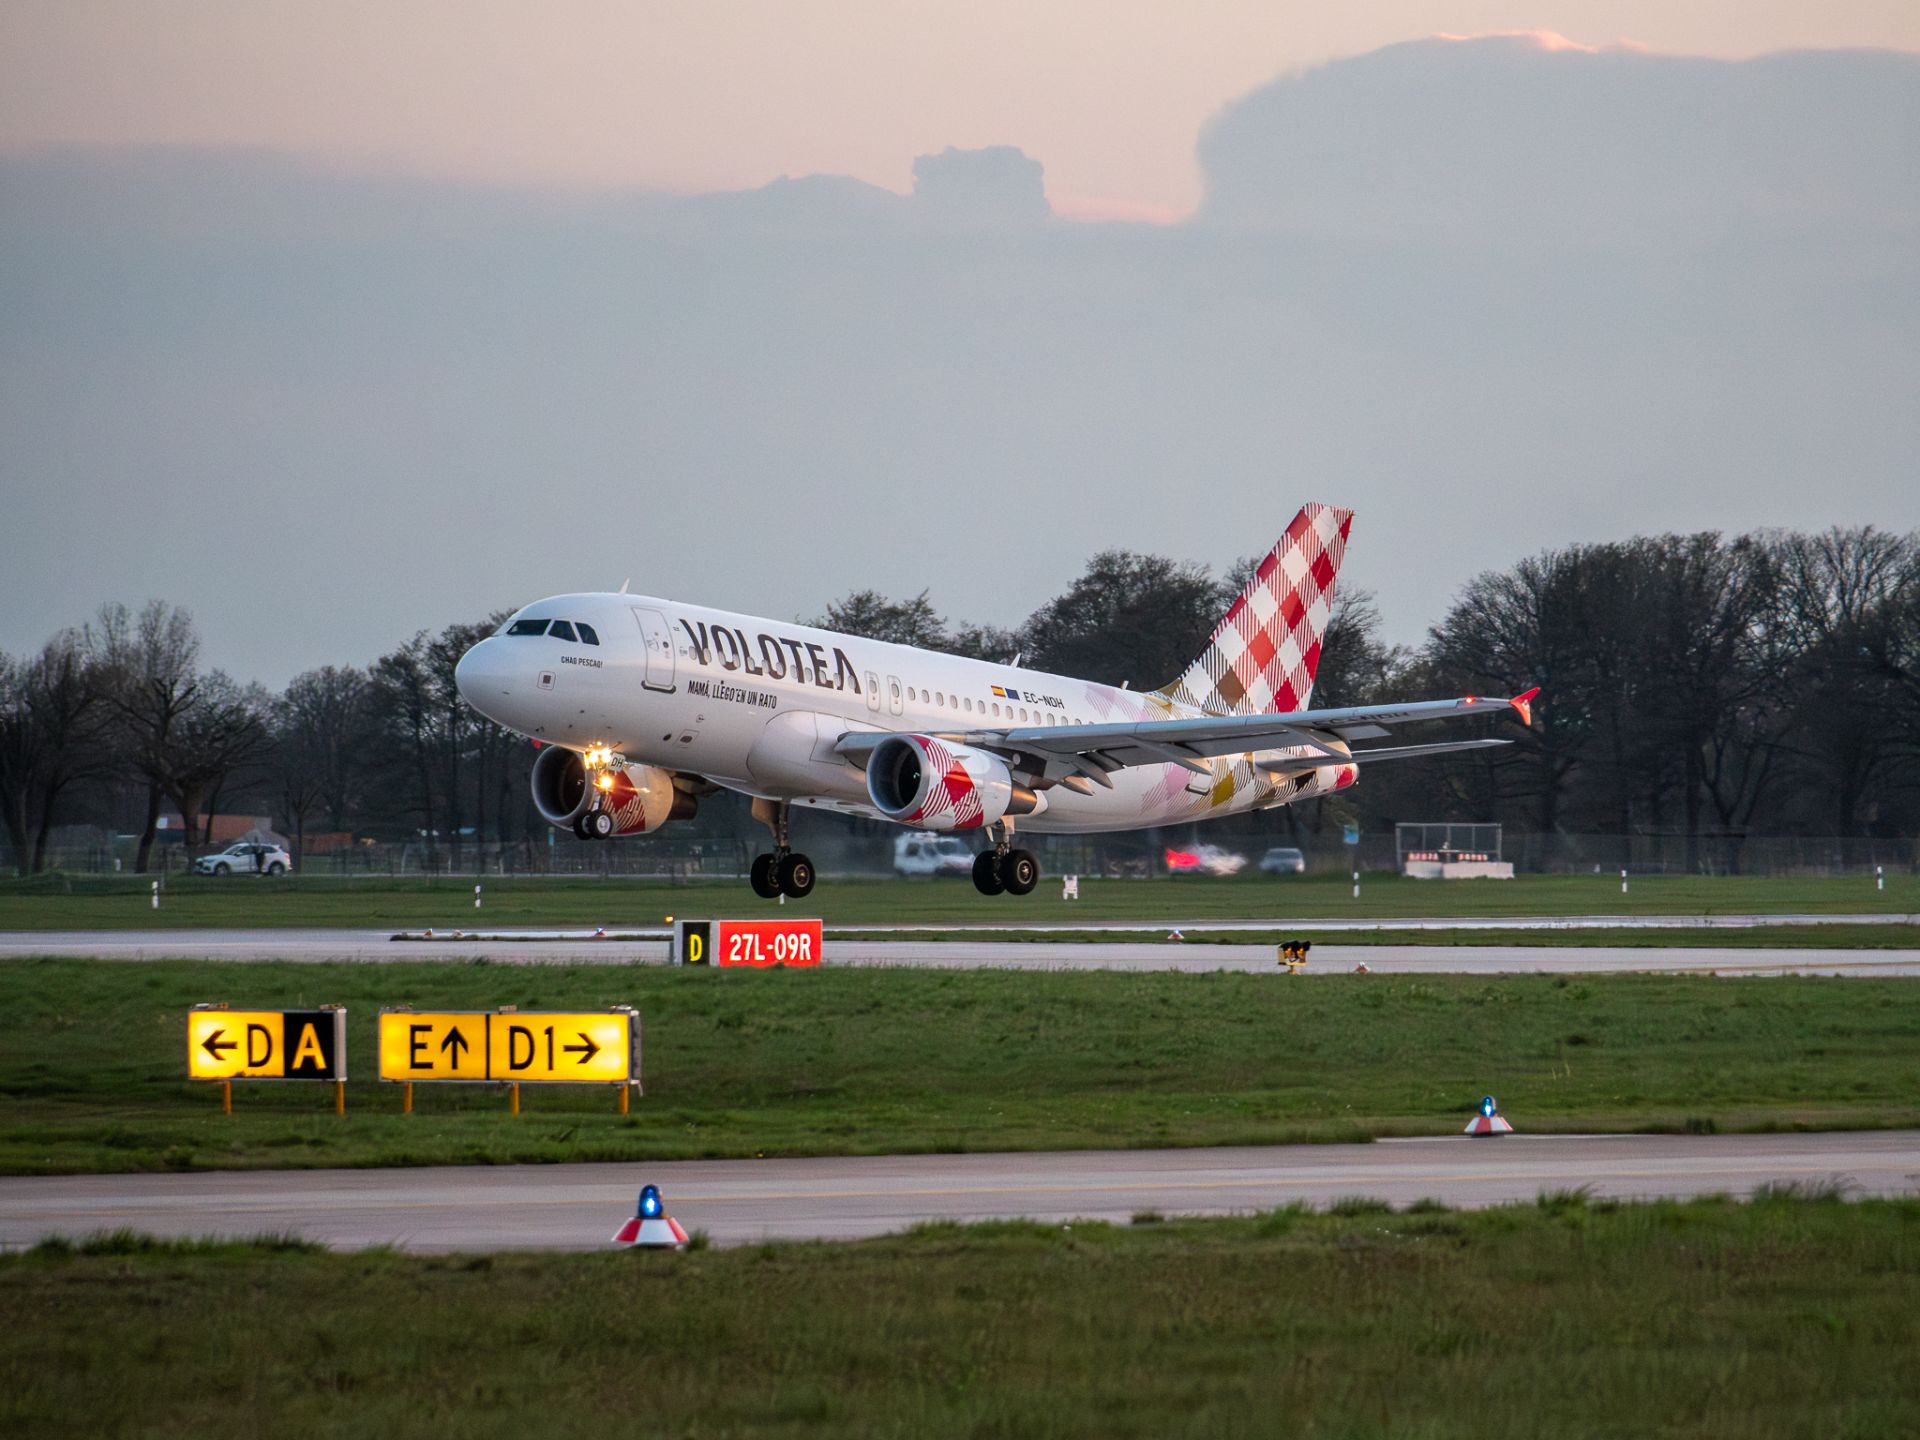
x=593 y=1048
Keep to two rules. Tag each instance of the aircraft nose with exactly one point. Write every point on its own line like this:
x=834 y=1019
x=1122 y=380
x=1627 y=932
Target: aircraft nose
x=479 y=675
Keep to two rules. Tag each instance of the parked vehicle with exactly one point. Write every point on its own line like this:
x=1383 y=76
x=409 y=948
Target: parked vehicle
x=245 y=858
x=1283 y=860
x=925 y=854
x=1204 y=860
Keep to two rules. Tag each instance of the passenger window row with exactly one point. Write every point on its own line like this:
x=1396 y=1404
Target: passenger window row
x=557 y=629
x=958 y=702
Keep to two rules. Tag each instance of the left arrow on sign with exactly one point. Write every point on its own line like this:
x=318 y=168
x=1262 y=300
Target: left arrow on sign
x=216 y=1042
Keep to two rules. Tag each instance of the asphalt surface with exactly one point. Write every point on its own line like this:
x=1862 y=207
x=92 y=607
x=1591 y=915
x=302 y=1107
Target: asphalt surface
x=742 y=1201
x=528 y=947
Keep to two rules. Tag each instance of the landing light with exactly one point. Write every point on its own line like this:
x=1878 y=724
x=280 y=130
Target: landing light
x=604 y=781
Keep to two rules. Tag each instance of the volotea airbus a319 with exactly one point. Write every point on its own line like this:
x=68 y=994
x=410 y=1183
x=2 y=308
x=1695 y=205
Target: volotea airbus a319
x=642 y=706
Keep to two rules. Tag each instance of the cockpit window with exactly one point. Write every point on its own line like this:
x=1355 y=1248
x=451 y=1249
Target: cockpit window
x=527 y=627
x=587 y=635
x=561 y=630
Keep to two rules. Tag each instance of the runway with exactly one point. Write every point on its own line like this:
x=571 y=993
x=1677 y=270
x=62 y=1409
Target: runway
x=578 y=947
x=743 y=1201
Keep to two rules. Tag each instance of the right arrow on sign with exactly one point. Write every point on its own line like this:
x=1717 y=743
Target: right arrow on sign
x=586 y=1048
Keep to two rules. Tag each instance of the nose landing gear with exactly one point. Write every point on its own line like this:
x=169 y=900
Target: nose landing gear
x=1003 y=868
x=597 y=822
x=785 y=871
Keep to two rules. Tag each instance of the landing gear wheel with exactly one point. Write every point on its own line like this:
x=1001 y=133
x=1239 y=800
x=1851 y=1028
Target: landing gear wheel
x=761 y=878
x=796 y=876
x=1019 y=872
x=600 y=825
x=580 y=831
x=986 y=873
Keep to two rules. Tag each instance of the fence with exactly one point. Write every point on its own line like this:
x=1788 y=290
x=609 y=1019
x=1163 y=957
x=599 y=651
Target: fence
x=1135 y=854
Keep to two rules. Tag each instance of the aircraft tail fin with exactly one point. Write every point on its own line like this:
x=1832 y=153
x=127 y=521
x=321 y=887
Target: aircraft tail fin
x=1265 y=650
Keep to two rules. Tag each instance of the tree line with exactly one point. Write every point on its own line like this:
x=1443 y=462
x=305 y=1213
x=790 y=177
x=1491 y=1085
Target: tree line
x=1693 y=685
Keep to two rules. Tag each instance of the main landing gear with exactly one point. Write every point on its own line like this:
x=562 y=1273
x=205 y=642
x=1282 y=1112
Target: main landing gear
x=1003 y=868
x=784 y=872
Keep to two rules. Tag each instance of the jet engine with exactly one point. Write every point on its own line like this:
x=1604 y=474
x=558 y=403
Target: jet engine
x=1296 y=785
x=937 y=785
x=640 y=798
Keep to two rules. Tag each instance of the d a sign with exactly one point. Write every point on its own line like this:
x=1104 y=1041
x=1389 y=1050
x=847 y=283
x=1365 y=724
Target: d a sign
x=266 y=1044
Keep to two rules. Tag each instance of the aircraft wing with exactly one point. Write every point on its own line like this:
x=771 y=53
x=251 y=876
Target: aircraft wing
x=1091 y=751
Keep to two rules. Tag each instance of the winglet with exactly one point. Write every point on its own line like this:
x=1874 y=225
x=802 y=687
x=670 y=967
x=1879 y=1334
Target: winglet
x=1524 y=704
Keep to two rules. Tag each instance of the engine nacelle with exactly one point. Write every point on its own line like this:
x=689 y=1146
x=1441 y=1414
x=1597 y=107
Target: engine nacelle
x=1311 y=784
x=640 y=798
x=936 y=785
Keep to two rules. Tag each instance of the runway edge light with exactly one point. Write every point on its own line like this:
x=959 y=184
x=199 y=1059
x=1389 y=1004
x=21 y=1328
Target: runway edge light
x=1488 y=1120
x=651 y=1228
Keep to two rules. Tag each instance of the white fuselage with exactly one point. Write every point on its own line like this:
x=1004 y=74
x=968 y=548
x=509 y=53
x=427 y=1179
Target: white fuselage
x=757 y=706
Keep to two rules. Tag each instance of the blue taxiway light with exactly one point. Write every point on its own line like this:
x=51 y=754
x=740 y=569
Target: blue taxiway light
x=1488 y=1108
x=649 y=1201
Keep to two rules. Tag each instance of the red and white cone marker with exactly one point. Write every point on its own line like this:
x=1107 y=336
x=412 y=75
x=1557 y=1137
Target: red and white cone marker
x=651 y=1228
x=1488 y=1120
x=1175 y=935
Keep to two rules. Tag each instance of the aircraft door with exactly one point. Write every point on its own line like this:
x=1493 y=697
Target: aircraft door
x=873 y=692
x=658 y=639
x=894 y=701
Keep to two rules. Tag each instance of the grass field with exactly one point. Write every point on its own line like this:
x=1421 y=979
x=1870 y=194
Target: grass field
x=878 y=1061
x=120 y=902
x=1890 y=935
x=1786 y=1317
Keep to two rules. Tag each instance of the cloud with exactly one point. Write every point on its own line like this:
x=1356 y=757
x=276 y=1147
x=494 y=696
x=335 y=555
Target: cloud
x=1521 y=140
x=997 y=186
x=1496 y=294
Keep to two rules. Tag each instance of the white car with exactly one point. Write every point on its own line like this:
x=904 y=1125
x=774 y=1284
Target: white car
x=925 y=854
x=1283 y=860
x=245 y=858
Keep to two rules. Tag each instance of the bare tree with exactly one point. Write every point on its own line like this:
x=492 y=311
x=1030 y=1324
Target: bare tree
x=152 y=672
x=403 y=697
x=1839 y=608
x=321 y=726
x=67 y=700
x=900 y=622
x=1128 y=618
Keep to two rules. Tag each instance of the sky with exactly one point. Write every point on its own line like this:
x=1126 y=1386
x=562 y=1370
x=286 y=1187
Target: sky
x=333 y=322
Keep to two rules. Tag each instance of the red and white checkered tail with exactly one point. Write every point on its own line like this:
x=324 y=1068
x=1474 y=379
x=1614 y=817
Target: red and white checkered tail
x=1263 y=654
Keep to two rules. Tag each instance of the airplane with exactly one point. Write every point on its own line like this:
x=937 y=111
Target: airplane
x=642 y=706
